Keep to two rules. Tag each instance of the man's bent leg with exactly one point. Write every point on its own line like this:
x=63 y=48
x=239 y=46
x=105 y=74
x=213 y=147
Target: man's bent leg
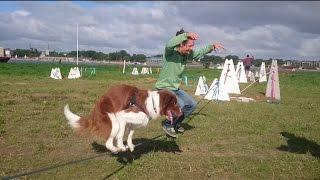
x=187 y=105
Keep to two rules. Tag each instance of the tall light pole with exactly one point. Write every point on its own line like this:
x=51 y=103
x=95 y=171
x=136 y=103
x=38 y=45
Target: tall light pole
x=77 y=45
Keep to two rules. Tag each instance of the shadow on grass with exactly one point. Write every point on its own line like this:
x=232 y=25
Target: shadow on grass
x=49 y=168
x=187 y=126
x=299 y=145
x=143 y=146
x=190 y=118
x=263 y=93
x=198 y=113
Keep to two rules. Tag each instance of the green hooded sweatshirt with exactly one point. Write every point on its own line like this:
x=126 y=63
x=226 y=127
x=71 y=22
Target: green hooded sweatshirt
x=174 y=63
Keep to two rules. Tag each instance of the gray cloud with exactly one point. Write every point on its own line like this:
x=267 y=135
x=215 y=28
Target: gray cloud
x=263 y=29
x=301 y=16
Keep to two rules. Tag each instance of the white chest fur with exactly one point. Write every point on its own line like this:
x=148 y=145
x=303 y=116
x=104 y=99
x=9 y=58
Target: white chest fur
x=153 y=104
x=136 y=119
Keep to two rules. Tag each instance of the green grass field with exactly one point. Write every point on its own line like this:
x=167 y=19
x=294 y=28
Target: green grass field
x=226 y=140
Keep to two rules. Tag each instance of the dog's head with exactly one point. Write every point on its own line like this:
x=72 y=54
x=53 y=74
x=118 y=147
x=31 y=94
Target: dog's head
x=169 y=105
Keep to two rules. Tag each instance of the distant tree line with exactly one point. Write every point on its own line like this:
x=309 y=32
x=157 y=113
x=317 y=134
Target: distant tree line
x=92 y=55
x=28 y=52
x=124 y=55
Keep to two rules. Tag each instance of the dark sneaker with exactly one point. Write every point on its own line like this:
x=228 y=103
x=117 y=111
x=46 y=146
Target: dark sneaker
x=169 y=130
x=179 y=128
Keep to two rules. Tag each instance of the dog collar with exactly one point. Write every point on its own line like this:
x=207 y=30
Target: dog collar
x=153 y=105
x=133 y=102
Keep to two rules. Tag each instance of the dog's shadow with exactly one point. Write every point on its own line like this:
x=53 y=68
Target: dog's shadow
x=299 y=145
x=143 y=146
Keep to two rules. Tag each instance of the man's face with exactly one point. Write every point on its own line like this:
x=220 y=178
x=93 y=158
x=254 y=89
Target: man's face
x=186 y=48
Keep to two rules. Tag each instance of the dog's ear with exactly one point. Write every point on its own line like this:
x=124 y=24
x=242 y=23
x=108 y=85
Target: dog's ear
x=168 y=101
x=173 y=106
x=167 y=98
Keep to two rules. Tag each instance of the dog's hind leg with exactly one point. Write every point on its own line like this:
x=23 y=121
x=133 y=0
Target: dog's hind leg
x=113 y=134
x=110 y=146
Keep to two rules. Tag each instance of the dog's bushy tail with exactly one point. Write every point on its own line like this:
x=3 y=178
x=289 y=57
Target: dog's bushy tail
x=97 y=124
x=76 y=122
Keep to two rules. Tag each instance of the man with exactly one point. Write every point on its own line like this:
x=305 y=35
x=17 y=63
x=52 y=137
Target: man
x=247 y=63
x=178 y=51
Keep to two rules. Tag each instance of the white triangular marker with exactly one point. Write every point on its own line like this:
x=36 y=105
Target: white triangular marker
x=217 y=91
x=144 y=70
x=251 y=76
x=74 y=73
x=205 y=83
x=228 y=77
x=135 y=71
x=201 y=88
x=256 y=74
x=240 y=73
x=273 y=89
x=55 y=73
x=263 y=74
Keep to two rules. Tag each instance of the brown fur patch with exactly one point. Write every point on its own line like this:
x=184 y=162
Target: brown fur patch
x=116 y=99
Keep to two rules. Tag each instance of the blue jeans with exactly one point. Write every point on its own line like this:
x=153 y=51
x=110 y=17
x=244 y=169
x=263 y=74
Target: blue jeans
x=186 y=103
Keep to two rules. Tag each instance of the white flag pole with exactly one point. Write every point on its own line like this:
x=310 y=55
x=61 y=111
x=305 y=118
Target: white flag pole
x=124 y=66
x=77 y=45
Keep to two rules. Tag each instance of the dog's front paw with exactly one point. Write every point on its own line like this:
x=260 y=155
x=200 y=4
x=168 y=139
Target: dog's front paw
x=115 y=151
x=131 y=147
x=122 y=148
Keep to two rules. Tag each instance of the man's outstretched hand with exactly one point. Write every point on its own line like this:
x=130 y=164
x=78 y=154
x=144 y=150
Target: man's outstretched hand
x=217 y=46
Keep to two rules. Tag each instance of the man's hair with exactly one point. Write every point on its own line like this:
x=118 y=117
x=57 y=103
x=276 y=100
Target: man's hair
x=247 y=55
x=181 y=31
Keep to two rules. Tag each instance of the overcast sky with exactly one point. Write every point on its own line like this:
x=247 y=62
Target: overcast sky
x=275 y=29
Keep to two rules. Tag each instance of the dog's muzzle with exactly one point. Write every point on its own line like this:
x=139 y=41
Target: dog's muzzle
x=172 y=115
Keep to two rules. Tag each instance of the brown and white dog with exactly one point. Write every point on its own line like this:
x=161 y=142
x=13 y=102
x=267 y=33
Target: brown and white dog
x=124 y=108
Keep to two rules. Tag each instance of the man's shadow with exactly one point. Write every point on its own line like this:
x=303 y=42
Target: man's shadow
x=299 y=145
